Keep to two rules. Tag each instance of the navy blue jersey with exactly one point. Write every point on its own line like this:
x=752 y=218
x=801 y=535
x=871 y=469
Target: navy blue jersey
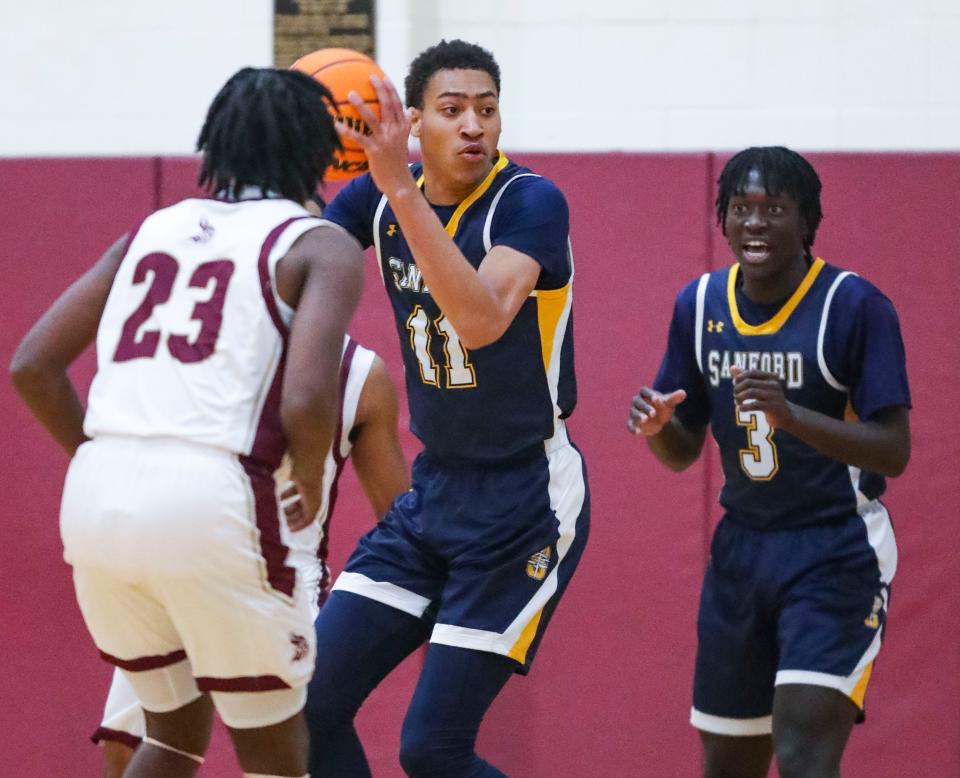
x=836 y=345
x=499 y=401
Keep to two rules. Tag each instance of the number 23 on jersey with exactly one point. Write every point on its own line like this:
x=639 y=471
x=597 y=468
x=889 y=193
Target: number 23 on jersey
x=208 y=312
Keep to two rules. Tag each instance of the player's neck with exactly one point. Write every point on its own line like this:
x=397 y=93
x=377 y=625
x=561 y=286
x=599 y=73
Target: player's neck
x=776 y=287
x=442 y=189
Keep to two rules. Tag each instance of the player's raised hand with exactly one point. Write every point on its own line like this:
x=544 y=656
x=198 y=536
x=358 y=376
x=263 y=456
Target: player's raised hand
x=298 y=512
x=756 y=390
x=651 y=410
x=385 y=141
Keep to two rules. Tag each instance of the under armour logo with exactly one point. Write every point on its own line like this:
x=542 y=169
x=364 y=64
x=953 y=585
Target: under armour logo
x=391 y=230
x=714 y=326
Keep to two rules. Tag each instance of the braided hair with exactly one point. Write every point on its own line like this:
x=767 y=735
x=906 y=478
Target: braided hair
x=268 y=128
x=783 y=172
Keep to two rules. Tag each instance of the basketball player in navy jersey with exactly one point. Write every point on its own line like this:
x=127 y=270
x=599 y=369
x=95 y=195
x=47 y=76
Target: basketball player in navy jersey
x=799 y=369
x=474 y=253
x=220 y=325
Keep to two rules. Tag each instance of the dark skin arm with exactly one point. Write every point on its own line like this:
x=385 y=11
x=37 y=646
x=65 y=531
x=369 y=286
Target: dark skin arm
x=69 y=326
x=321 y=276
x=376 y=453
x=673 y=443
x=880 y=444
x=377 y=457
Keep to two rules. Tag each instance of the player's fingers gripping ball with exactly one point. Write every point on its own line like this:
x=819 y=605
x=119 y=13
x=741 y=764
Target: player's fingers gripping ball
x=343 y=71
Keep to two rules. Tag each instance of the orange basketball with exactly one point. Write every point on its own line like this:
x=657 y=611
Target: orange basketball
x=343 y=71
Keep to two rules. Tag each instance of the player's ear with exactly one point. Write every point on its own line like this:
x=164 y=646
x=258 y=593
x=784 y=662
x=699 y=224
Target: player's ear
x=415 y=116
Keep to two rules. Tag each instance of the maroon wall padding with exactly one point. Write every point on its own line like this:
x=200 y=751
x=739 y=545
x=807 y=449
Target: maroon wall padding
x=609 y=693
x=59 y=216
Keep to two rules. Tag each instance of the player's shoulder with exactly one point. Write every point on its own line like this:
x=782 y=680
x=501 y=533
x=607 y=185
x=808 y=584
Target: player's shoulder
x=851 y=289
x=523 y=180
x=688 y=293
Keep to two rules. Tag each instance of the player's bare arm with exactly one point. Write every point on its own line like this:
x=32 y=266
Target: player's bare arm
x=880 y=444
x=321 y=275
x=39 y=366
x=481 y=303
x=673 y=443
x=377 y=457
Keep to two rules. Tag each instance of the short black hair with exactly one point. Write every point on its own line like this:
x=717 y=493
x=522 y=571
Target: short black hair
x=783 y=172
x=268 y=128
x=447 y=55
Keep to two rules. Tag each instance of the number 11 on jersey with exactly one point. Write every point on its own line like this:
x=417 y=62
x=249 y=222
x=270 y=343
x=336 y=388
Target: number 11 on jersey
x=459 y=372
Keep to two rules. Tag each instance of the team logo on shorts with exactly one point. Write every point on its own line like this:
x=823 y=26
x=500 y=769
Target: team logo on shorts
x=873 y=620
x=300 y=646
x=538 y=564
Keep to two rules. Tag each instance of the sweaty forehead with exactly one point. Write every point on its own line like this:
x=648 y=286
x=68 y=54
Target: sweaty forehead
x=471 y=83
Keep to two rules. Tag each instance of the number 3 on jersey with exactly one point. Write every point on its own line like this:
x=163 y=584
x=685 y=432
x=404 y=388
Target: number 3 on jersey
x=759 y=460
x=459 y=371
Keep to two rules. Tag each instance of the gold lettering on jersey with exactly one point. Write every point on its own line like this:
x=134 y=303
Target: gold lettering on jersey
x=538 y=564
x=787 y=365
x=407 y=276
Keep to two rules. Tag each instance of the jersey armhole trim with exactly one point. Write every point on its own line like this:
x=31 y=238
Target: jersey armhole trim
x=378 y=214
x=698 y=322
x=493 y=207
x=821 y=335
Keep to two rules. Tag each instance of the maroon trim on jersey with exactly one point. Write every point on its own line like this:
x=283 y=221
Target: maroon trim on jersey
x=345 y=364
x=280 y=576
x=269 y=443
x=263 y=266
x=249 y=683
x=116 y=736
x=146 y=662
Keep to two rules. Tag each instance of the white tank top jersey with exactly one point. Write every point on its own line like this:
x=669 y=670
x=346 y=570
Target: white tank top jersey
x=308 y=547
x=193 y=335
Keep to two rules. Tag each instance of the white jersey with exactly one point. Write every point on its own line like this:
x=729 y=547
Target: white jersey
x=309 y=546
x=193 y=335
x=123 y=717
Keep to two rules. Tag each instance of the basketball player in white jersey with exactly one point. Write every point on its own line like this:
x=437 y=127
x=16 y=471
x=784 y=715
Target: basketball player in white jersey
x=219 y=325
x=367 y=433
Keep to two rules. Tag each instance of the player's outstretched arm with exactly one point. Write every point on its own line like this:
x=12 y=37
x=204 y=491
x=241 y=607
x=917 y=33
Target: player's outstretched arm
x=652 y=415
x=39 y=366
x=880 y=444
x=322 y=276
x=480 y=303
x=376 y=453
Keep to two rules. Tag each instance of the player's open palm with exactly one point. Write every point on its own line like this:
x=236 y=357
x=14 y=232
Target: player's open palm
x=385 y=142
x=756 y=390
x=651 y=410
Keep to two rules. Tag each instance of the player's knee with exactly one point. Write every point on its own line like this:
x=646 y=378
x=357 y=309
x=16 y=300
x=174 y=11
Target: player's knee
x=329 y=707
x=425 y=750
x=116 y=757
x=799 y=757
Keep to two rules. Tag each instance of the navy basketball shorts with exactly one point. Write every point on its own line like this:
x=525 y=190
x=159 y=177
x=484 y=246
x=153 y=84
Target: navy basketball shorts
x=806 y=605
x=486 y=551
